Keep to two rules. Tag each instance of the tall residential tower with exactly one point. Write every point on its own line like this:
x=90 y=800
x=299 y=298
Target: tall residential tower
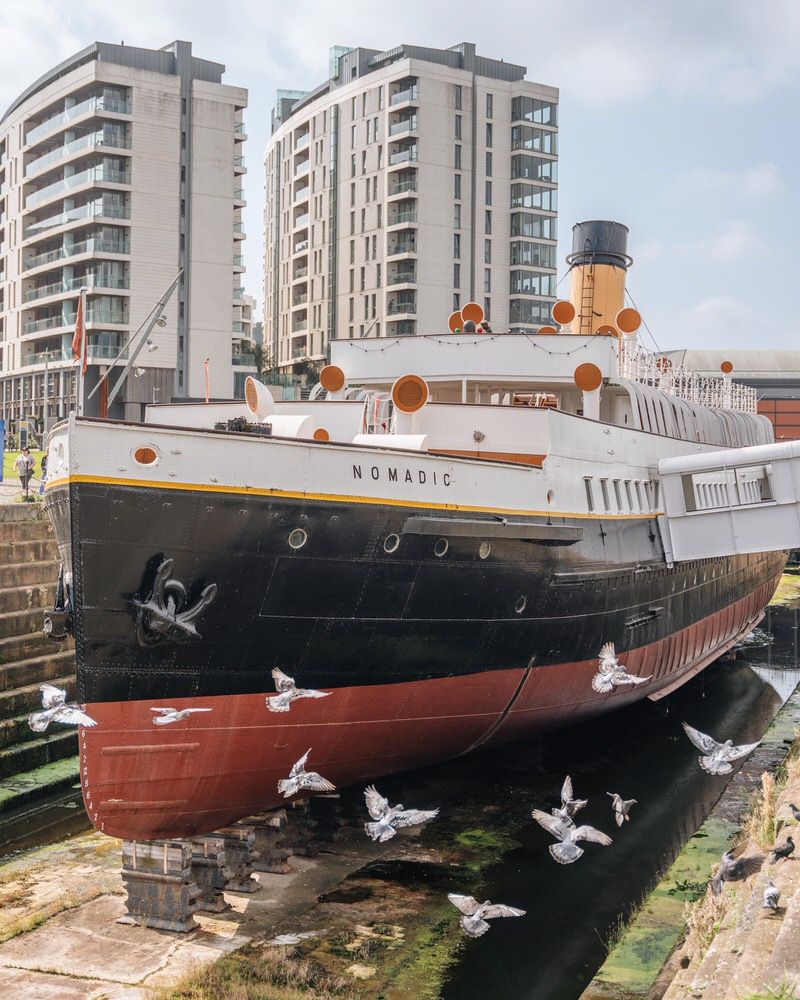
x=120 y=168
x=411 y=182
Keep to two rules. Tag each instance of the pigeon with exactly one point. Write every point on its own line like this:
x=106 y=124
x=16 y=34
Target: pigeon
x=475 y=914
x=389 y=818
x=300 y=779
x=733 y=869
x=167 y=715
x=567 y=850
x=569 y=805
x=717 y=756
x=783 y=851
x=621 y=807
x=288 y=691
x=795 y=811
x=612 y=672
x=56 y=709
x=771 y=896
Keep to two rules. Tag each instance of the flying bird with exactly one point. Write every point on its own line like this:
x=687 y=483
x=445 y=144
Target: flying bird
x=167 y=715
x=733 y=869
x=567 y=850
x=300 y=779
x=475 y=914
x=783 y=851
x=389 y=818
x=612 y=672
x=569 y=805
x=288 y=691
x=771 y=896
x=621 y=807
x=56 y=709
x=716 y=757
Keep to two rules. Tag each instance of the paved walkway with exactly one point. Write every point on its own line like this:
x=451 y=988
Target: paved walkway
x=11 y=490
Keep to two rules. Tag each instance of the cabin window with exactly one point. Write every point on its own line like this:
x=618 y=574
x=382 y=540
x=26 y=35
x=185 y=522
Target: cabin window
x=606 y=499
x=587 y=482
x=618 y=494
x=628 y=494
x=638 y=487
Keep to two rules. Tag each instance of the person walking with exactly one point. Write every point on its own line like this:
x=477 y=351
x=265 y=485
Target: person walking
x=25 y=464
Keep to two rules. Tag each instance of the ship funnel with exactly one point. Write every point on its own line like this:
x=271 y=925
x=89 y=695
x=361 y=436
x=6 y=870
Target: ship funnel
x=598 y=264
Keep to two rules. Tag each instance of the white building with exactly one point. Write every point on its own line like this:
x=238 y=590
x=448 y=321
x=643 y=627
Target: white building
x=118 y=169
x=411 y=182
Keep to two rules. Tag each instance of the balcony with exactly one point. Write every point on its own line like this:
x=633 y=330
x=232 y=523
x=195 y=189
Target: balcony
x=114 y=105
x=94 y=140
x=92 y=210
x=238 y=165
x=302 y=167
x=300 y=247
x=302 y=141
x=407 y=185
x=399 y=218
x=403 y=156
x=94 y=175
x=300 y=300
x=301 y=221
x=404 y=96
x=64 y=253
x=300 y=326
x=404 y=126
x=405 y=246
x=72 y=285
x=302 y=193
x=402 y=307
x=299 y=273
x=407 y=276
x=244 y=359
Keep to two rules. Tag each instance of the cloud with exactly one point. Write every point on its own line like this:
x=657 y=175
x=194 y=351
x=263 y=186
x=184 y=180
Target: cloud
x=736 y=241
x=719 y=321
x=762 y=180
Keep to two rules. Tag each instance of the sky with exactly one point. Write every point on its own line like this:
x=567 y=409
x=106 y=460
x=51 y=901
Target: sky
x=678 y=118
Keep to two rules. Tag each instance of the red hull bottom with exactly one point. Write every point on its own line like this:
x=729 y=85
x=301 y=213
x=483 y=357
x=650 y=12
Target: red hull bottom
x=143 y=781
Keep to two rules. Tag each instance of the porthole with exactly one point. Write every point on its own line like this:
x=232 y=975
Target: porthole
x=391 y=543
x=521 y=604
x=484 y=550
x=441 y=547
x=297 y=538
x=145 y=455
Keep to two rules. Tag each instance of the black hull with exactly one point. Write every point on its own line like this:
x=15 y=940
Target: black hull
x=361 y=600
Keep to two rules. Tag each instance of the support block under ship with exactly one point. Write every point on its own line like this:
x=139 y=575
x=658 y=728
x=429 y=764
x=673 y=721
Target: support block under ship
x=441 y=537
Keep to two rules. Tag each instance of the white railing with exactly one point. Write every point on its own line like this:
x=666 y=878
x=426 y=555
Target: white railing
x=640 y=365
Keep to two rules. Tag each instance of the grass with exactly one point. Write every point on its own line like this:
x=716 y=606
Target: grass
x=268 y=974
x=785 y=991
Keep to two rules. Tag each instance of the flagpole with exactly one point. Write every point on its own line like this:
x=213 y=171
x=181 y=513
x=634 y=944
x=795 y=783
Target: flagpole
x=84 y=347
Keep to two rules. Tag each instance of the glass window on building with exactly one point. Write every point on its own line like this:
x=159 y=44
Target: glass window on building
x=457 y=157
x=458 y=127
x=487 y=251
x=487 y=222
x=457 y=97
x=532 y=109
x=488 y=133
x=457 y=215
x=456 y=276
x=456 y=185
x=489 y=105
x=456 y=245
x=487 y=279
x=488 y=164
x=488 y=193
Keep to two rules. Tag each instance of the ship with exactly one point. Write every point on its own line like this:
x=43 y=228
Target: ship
x=440 y=540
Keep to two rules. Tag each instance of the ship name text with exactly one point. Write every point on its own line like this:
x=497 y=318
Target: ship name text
x=393 y=474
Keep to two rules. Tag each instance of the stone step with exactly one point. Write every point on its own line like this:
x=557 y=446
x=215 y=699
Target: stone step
x=33 y=786
x=22 y=621
x=46 y=749
x=33 y=572
x=28 y=550
x=13 y=511
x=26 y=530
x=34 y=595
x=21 y=701
x=36 y=670
x=14 y=648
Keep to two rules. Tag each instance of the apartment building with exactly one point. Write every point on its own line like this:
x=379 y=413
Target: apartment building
x=120 y=169
x=411 y=182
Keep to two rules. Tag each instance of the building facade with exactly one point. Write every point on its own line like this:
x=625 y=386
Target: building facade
x=120 y=169
x=411 y=182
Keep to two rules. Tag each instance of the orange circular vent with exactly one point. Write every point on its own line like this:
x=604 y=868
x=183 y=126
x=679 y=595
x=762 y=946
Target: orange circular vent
x=547 y=329
x=251 y=394
x=628 y=320
x=563 y=312
x=455 y=322
x=473 y=311
x=320 y=434
x=607 y=329
x=331 y=378
x=409 y=393
x=588 y=377
x=726 y=367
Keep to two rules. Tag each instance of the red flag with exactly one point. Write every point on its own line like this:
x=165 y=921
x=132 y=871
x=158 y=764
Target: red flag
x=79 y=345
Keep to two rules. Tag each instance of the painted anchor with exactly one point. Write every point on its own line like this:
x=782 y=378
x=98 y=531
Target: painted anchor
x=163 y=614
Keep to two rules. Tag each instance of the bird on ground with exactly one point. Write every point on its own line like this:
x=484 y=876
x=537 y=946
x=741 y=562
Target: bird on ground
x=567 y=850
x=716 y=757
x=612 y=672
x=771 y=896
x=621 y=807
x=299 y=779
x=782 y=852
x=733 y=869
x=288 y=691
x=569 y=805
x=167 y=715
x=475 y=915
x=795 y=811
x=389 y=818
x=56 y=709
